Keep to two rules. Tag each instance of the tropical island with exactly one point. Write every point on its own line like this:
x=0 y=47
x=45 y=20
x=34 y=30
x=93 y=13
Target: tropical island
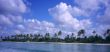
x=56 y=38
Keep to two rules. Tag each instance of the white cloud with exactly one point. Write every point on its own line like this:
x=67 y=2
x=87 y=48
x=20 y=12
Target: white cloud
x=105 y=18
x=76 y=11
x=11 y=14
x=12 y=6
x=5 y=20
x=36 y=26
x=88 y=4
x=65 y=16
x=20 y=27
x=91 y=9
x=62 y=13
x=85 y=23
x=12 y=10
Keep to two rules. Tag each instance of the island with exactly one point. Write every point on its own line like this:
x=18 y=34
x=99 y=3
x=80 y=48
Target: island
x=95 y=38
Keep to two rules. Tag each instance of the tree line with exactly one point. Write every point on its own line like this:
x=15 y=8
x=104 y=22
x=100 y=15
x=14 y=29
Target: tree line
x=95 y=38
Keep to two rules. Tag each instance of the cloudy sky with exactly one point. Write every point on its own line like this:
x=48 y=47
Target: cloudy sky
x=41 y=16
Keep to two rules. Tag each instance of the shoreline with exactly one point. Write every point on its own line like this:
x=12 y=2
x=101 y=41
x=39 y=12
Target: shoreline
x=62 y=43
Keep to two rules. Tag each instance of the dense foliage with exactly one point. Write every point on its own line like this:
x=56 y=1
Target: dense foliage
x=56 y=38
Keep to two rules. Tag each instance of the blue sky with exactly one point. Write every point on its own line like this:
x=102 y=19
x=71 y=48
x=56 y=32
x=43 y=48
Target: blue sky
x=39 y=8
x=41 y=16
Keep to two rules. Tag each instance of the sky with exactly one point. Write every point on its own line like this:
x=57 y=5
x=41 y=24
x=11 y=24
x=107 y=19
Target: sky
x=51 y=16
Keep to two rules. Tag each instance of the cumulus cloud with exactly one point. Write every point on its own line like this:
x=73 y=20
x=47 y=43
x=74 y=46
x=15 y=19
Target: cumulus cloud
x=96 y=9
x=62 y=13
x=87 y=4
x=11 y=10
x=12 y=6
x=11 y=13
x=105 y=18
x=12 y=21
x=4 y=20
x=36 y=26
x=83 y=15
x=90 y=7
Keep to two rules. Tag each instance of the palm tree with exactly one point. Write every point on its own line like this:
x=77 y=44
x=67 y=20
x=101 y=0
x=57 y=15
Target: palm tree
x=28 y=37
x=108 y=32
x=1 y=37
x=59 y=33
x=94 y=32
x=67 y=38
x=47 y=36
x=82 y=31
x=72 y=38
x=55 y=37
x=72 y=35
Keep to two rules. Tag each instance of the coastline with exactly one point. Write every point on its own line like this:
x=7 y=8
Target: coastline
x=62 y=43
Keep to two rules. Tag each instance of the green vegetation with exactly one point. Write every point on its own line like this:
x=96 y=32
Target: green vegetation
x=95 y=38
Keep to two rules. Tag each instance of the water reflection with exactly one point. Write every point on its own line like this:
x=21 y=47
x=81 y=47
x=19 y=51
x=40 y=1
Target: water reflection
x=51 y=47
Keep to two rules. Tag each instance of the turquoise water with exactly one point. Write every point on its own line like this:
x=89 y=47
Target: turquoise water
x=51 y=47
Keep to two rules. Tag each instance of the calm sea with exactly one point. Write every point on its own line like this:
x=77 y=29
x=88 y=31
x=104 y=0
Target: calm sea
x=51 y=47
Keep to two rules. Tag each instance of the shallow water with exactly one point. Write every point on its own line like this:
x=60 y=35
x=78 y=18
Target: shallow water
x=51 y=47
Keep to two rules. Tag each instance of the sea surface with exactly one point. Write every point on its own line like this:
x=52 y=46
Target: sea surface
x=51 y=47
